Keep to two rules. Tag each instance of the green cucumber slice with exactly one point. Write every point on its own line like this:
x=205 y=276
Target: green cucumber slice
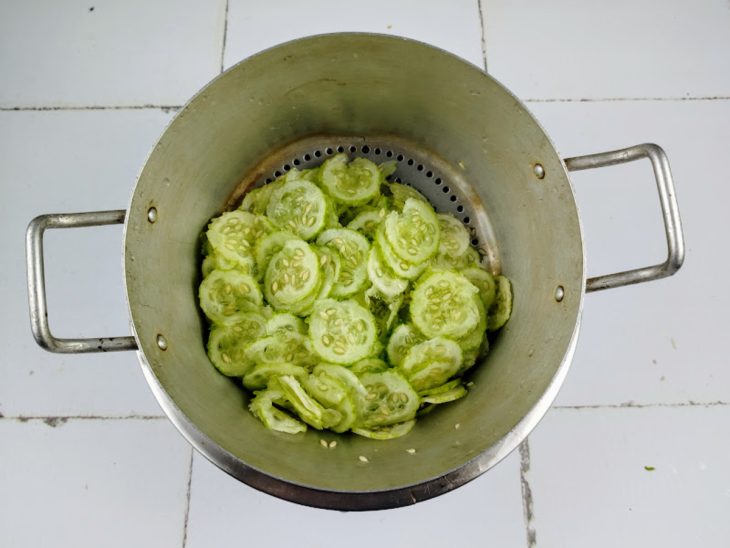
x=233 y=234
x=262 y=406
x=342 y=332
x=368 y=365
x=484 y=282
x=470 y=259
x=268 y=246
x=443 y=304
x=351 y=184
x=383 y=278
x=386 y=432
x=414 y=233
x=224 y=294
x=385 y=311
x=260 y=376
x=353 y=249
x=282 y=347
x=432 y=363
x=299 y=207
x=330 y=265
x=389 y=399
x=403 y=338
x=285 y=322
x=400 y=267
x=400 y=193
x=332 y=393
x=454 y=236
x=367 y=221
x=501 y=309
x=257 y=199
x=439 y=389
x=308 y=409
x=227 y=344
x=454 y=394
x=292 y=276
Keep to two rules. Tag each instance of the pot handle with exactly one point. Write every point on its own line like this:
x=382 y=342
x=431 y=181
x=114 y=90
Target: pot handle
x=37 y=284
x=670 y=213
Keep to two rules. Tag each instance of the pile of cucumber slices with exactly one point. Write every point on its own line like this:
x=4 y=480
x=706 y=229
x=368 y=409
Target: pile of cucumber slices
x=345 y=302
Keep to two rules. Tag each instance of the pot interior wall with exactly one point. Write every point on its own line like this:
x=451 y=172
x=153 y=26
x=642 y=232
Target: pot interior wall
x=358 y=85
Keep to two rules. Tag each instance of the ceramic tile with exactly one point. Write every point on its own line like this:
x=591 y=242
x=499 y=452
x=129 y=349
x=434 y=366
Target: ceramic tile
x=102 y=52
x=453 y=26
x=595 y=49
x=66 y=162
x=92 y=483
x=660 y=342
x=487 y=511
x=631 y=477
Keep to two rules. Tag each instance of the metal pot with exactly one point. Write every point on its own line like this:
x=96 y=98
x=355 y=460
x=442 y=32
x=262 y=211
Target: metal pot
x=461 y=138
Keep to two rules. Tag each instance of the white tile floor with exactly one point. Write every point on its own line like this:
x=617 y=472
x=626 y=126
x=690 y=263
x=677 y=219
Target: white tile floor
x=649 y=386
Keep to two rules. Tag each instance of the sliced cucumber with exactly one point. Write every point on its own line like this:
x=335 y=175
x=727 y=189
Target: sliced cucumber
x=342 y=332
x=403 y=338
x=484 y=282
x=282 y=347
x=257 y=199
x=443 y=304
x=285 y=322
x=432 y=363
x=224 y=294
x=383 y=278
x=351 y=184
x=227 y=344
x=501 y=309
x=292 y=276
x=385 y=311
x=400 y=193
x=332 y=393
x=368 y=365
x=353 y=249
x=402 y=268
x=299 y=207
x=367 y=221
x=259 y=377
x=330 y=265
x=414 y=233
x=390 y=399
x=470 y=259
x=454 y=394
x=386 y=432
x=454 y=236
x=262 y=406
x=234 y=233
x=308 y=409
x=440 y=389
x=268 y=246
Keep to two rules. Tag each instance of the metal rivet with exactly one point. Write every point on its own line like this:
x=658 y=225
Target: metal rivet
x=152 y=214
x=161 y=342
x=559 y=293
x=539 y=171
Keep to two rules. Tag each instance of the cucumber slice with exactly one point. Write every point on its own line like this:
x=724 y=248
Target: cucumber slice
x=227 y=344
x=383 y=278
x=386 y=432
x=367 y=221
x=353 y=249
x=262 y=406
x=501 y=309
x=268 y=246
x=474 y=338
x=342 y=332
x=440 y=389
x=403 y=338
x=443 y=304
x=257 y=199
x=332 y=393
x=308 y=409
x=292 y=276
x=260 y=376
x=299 y=207
x=389 y=400
x=484 y=282
x=284 y=322
x=330 y=265
x=282 y=347
x=400 y=193
x=400 y=267
x=368 y=365
x=454 y=236
x=385 y=311
x=432 y=363
x=454 y=394
x=414 y=233
x=233 y=234
x=351 y=184
x=470 y=259
x=224 y=294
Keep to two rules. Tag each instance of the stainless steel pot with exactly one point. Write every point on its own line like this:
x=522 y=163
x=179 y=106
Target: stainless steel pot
x=461 y=138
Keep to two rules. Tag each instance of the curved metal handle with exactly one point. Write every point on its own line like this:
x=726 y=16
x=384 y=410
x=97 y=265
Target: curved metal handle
x=670 y=213
x=37 y=283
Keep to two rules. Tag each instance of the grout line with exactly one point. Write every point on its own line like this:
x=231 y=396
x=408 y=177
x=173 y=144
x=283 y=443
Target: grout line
x=483 y=34
x=225 y=34
x=164 y=108
x=527 y=502
x=634 y=405
x=58 y=420
x=187 y=501
x=624 y=99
